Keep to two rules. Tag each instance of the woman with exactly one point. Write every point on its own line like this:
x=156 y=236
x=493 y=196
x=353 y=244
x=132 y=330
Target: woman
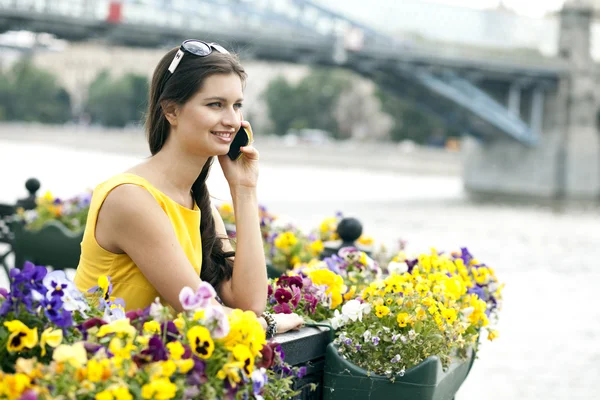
x=153 y=229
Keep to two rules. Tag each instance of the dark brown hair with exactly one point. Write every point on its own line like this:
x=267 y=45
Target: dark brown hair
x=183 y=84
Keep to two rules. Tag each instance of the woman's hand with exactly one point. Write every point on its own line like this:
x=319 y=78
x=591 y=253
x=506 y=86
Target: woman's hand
x=288 y=322
x=244 y=171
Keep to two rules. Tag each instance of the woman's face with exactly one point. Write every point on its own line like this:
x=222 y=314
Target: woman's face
x=208 y=122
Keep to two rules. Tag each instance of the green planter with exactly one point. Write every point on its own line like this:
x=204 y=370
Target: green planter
x=53 y=245
x=272 y=272
x=426 y=381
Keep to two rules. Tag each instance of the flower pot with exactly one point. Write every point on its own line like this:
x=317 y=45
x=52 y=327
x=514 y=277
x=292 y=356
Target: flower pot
x=272 y=272
x=426 y=381
x=53 y=245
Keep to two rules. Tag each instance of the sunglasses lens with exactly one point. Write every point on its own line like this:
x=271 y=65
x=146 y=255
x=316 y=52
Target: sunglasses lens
x=197 y=47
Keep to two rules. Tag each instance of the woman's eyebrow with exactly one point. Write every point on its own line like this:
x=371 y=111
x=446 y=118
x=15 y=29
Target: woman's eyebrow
x=222 y=99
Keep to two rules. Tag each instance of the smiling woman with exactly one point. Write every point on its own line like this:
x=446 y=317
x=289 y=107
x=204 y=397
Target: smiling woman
x=152 y=228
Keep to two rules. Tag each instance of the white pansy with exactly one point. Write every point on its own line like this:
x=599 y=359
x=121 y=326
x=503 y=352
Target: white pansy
x=397 y=267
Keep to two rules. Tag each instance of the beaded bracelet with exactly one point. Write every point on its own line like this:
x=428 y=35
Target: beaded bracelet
x=271 y=324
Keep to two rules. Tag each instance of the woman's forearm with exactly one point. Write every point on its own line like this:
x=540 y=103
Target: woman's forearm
x=249 y=280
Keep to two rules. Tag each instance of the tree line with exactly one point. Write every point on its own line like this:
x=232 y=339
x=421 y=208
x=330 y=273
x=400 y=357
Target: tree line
x=325 y=99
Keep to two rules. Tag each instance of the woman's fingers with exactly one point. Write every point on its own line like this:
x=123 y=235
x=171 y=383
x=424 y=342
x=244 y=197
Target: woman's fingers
x=250 y=152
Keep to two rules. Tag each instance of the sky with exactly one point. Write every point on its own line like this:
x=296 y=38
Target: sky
x=532 y=8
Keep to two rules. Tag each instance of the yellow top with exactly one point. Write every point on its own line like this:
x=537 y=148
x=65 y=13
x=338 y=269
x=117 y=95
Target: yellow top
x=127 y=280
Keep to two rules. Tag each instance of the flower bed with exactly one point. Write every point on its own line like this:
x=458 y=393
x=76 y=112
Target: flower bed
x=58 y=342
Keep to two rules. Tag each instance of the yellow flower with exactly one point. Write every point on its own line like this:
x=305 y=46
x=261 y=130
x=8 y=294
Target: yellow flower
x=104 y=395
x=116 y=347
x=151 y=327
x=242 y=354
x=168 y=368
x=143 y=340
x=21 y=336
x=176 y=350
x=492 y=334
x=198 y=315
x=159 y=389
x=73 y=354
x=179 y=322
x=95 y=370
x=245 y=329
x=104 y=284
x=122 y=327
x=449 y=314
x=230 y=371
x=381 y=311
x=365 y=240
x=226 y=208
x=329 y=225
x=116 y=393
x=286 y=240
x=48 y=196
x=334 y=283
x=14 y=385
x=316 y=247
x=201 y=342
x=185 y=365
x=421 y=314
x=350 y=293
x=50 y=337
x=295 y=261
x=402 y=319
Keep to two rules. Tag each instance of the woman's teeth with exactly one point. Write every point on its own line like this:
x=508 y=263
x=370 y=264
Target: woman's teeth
x=226 y=135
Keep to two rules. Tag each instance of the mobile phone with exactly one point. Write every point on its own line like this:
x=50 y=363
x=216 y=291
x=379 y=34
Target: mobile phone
x=243 y=137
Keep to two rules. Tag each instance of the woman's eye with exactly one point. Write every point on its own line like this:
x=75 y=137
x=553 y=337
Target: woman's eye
x=215 y=104
x=238 y=105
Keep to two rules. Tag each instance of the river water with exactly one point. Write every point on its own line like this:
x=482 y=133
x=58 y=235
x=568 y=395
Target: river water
x=549 y=344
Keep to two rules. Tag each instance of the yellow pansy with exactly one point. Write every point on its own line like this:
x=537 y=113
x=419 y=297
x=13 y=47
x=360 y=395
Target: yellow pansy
x=230 y=371
x=245 y=329
x=200 y=341
x=104 y=395
x=316 y=247
x=50 y=337
x=366 y=240
x=176 y=350
x=14 y=385
x=350 y=293
x=121 y=327
x=151 y=327
x=21 y=336
x=402 y=319
x=286 y=240
x=449 y=314
x=381 y=311
x=492 y=334
x=242 y=354
x=96 y=370
x=159 y=389
x=179 y=322
x=185 y=366
x=74 y=354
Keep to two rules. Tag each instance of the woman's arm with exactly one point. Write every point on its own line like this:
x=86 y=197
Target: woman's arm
x=131 y=221
x=247 y=289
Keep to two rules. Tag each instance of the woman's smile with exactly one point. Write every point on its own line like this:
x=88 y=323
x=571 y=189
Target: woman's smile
x=225 y=137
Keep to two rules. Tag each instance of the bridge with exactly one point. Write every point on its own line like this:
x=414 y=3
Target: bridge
x=534 y=123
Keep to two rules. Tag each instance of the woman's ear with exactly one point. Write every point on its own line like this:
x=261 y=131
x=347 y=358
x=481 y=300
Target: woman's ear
x=170 y=110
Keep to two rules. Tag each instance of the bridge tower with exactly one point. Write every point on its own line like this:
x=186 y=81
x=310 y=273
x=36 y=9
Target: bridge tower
x=580 y=147
x=566 y=160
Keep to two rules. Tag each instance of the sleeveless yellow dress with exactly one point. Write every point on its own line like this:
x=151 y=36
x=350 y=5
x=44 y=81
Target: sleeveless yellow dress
x=128 y=281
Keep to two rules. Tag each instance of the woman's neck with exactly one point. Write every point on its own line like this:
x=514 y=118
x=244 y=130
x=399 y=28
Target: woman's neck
x=176 y=170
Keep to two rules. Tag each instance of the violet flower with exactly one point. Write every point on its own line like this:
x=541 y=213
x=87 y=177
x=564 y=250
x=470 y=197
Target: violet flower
x=191 y=300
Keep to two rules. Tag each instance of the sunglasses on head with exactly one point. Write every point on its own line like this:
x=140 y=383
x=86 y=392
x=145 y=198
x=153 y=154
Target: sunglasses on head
x=195 y=47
